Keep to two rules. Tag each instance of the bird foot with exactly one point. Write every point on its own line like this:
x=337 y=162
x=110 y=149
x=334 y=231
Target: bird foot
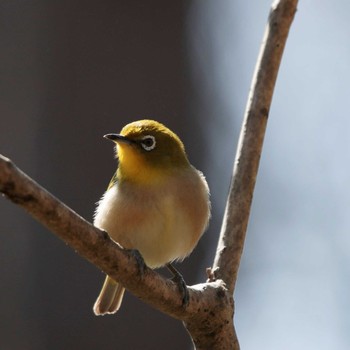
x=141 y=265
x=181 y=284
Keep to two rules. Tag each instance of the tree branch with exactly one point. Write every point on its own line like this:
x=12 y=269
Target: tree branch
x=234 y=226
x=96 y=246
x=209 y=314
x=93 y=244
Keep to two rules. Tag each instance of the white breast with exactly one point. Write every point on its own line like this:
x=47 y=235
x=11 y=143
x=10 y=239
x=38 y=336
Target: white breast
x=164 y=222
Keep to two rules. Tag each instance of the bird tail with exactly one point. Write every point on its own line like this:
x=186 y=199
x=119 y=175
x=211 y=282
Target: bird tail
x=110 y=298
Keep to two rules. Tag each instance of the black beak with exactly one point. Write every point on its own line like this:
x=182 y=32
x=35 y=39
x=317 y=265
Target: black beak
x=118 y=138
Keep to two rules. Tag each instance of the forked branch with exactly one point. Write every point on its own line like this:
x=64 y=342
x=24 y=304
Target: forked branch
x=207 y=299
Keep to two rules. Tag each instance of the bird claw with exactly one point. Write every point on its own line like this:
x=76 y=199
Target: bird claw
x=181 y=284
x=139 y=261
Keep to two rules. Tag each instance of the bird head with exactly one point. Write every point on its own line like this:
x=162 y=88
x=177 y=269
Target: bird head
x=147 y=150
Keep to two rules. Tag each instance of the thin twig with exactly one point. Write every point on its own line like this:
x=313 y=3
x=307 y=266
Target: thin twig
x=233 y=231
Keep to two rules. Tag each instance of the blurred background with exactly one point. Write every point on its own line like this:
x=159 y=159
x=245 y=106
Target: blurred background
x=74 y=70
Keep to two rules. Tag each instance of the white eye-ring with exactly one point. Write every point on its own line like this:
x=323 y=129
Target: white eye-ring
x=148 y=142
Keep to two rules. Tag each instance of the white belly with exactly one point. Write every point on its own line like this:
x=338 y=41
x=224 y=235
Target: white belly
x=157 y=223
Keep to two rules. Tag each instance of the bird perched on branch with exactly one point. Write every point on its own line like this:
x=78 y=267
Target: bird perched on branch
x=156 y=203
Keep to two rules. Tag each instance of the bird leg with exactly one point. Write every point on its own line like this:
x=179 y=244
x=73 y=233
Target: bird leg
x=179 y=280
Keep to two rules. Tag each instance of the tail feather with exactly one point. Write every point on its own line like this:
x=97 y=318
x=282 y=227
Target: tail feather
x=110 y=298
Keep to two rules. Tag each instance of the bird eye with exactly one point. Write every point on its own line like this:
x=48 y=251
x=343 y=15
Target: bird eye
x=148 y=142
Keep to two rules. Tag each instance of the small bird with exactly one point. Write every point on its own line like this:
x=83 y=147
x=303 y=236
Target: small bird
x=156 y=203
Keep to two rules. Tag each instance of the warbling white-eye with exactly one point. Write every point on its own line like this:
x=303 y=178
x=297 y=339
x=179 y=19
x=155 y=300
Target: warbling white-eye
x=156 y=203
